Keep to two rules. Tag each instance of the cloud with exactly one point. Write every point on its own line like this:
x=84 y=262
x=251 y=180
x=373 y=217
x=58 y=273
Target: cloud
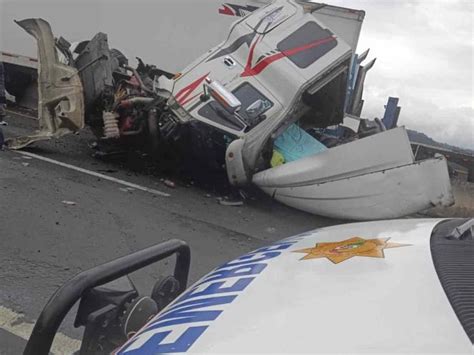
x=425 y=57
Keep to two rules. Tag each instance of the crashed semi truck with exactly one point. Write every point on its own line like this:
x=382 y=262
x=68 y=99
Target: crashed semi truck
x=276 y=103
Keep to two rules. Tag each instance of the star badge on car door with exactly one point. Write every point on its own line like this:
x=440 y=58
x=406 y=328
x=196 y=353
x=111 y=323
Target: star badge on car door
x=340 y=251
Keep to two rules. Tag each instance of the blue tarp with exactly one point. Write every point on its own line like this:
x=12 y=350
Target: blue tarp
x=295 y=144
x=392 y=111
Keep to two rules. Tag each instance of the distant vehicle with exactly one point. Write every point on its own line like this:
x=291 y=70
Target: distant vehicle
x=398 y=286
x=261 y=104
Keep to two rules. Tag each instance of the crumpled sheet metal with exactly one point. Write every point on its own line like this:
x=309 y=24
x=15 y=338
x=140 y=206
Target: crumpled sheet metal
x=60 y=92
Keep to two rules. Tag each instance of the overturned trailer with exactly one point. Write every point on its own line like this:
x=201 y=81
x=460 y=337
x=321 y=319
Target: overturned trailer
x=261 y=104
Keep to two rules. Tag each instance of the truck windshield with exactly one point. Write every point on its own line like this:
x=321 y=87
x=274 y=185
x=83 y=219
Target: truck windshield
x=247 y=95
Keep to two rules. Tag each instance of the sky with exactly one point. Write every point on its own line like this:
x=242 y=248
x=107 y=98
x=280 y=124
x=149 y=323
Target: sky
x=424 y=53
x=424 y=48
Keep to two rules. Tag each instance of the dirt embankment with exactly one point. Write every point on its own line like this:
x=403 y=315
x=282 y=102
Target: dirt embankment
x=464 y=207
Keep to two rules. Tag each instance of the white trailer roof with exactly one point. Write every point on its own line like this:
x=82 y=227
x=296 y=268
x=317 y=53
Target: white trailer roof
x=17 y=59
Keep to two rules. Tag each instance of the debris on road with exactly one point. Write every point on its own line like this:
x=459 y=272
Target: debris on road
x=243 y=194
x=69 y=203
x=169 y=183
x=110 y=171
x=229 y=202
x=25 y=164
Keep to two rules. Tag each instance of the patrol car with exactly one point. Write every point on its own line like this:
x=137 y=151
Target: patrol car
x=398 y=286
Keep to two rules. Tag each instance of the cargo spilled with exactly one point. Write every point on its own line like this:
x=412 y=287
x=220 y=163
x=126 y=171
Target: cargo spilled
x=277 y=104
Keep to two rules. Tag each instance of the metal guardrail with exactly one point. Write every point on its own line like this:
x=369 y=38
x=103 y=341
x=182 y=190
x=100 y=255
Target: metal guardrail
x=18 y=59
x=421 y=150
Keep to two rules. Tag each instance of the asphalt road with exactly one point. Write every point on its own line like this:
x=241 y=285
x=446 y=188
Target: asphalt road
x=46 y=241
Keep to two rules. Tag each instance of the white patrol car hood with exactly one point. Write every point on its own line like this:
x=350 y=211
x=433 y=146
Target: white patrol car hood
x=355 y=288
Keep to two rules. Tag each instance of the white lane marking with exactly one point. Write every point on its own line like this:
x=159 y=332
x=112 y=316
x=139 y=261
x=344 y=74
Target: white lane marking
x=22 y=114
x=13 y=323
x=95 y=174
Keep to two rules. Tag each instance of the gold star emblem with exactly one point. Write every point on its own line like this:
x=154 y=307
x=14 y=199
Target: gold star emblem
x=346 y=249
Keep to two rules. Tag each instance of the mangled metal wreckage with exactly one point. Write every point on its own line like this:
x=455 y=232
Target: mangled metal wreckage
x=270 y=104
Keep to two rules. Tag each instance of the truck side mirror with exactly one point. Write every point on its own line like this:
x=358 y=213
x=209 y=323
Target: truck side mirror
x=257 y=108
x=223 y=96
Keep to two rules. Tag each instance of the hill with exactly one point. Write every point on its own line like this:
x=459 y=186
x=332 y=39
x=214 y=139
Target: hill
x=419 y=137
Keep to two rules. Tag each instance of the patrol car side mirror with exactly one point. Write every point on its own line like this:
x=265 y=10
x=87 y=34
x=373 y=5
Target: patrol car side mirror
x=223 y=96
x=114 y=303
